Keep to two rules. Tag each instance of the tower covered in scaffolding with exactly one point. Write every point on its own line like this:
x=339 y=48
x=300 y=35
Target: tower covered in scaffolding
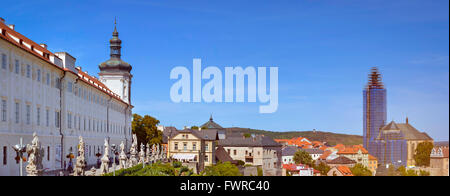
x=375 y=112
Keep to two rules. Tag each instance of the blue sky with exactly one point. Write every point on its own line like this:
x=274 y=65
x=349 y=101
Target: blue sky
x=324 y=51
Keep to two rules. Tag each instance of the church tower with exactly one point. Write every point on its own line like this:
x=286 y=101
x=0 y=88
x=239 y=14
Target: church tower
x=115 y=73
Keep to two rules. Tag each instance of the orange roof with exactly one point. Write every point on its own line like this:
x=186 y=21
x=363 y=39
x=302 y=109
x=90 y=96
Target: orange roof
x=297 y=141
x=323 y=148
x=35 y=49
x=325 y=154
x=350 y=149
x=372 y=157
x=345 y=170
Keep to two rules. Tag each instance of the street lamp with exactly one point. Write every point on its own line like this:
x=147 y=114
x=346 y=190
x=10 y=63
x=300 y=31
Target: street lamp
x=113 y=149
x=70 y=157
x=20 y=149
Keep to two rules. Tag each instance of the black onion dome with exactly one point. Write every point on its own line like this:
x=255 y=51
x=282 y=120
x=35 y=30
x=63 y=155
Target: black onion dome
x=115 y=64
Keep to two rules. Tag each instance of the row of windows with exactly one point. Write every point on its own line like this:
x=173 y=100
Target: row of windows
x=89 y=124
x=91 y=96
x=77 y=90
x=247 y=153
x=17 y=110
x=27 y=72
x=72 y=120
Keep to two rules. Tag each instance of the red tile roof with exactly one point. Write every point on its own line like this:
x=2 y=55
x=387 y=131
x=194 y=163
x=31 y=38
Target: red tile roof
x=297 y=141
x=325 y=154
x=9 y=34
x=345 y=170
x=350 y=149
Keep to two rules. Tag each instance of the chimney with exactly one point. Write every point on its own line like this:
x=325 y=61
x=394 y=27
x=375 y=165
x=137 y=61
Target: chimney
x=11 y=26
x=44 y=45
x=185 y=127
x=407 y=122
x=2 y=20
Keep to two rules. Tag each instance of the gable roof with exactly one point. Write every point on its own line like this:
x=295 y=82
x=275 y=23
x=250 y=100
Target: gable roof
x=345 y=171
x=352 y=150
x=211 y=124
x=256 y=141
x=406 y=132
x=206 y=134
x=223 y=156
x=289 y=150
x=341 y=160
x=313 y=151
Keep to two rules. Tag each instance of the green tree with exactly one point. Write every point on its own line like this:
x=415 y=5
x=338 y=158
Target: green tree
x=221 y=169
x=194 y=127
x=302 y=157
x=240 y=162
x=360 y=170
x=146 y=129
x=424 y=173
x=260 y=171
x=156 y=169
x=247 y=135
x=422 y=154
x=392 y=171
x=323 y=168
x=406 y=172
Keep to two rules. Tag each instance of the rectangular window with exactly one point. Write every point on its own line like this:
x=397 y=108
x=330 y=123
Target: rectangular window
x=38 y=120
x=28 y=108
x=234 y=152
x=69 y=87
x=206 y=158
x=38 y=75
x=57 y=83
x=17 y=112
x=47 y=117
x=185 y=146
x=17 y=67
x=47 y=78
x=28 y=71
x=176 y=146
x=194 y=146
x=206 y=147
x=3 y=110
x=48 y=153
x=57 y=119
x=69 y=120
x=3 y=61
x=5 y=155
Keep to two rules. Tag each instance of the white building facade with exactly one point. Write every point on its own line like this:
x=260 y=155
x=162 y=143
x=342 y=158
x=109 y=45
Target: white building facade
x=46 y=93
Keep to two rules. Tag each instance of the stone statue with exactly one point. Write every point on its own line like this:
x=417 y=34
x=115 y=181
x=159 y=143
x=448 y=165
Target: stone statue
x=91 y=172
x=122 y=157
x=157 y=152
x=154 y=153
x=163 y=153
x=142 y=154
x=133 y=152
x=35 y=153
x=104 y=168
x=148 y=155
x=81 y=162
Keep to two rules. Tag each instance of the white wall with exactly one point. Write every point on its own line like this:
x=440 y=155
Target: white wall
x=28 y=91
